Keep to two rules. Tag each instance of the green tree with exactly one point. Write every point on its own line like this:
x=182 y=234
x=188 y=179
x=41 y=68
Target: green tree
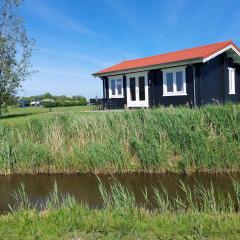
x=15 y=51
x=47 y=96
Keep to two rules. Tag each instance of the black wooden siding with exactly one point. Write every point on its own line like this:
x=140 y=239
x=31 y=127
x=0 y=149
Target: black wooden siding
x=212 y=82
x=211 y=85
x=156 y=97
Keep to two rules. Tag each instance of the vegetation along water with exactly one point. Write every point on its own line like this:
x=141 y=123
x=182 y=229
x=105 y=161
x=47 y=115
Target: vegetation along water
x=209 y=216
x=163 y=139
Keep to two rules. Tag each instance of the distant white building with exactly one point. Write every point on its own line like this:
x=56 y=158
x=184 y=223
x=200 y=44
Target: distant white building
x=35 y=104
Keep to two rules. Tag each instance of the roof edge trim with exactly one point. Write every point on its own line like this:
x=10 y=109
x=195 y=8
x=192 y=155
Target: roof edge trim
x=222 y=51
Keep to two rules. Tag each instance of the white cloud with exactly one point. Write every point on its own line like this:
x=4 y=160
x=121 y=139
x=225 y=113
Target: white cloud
x=76 y=56
x=62 y=21
x=68 y=70
x=62 y=81
x=57 y=18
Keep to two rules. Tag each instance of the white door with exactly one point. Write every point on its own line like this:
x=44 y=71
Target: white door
x=137 y=90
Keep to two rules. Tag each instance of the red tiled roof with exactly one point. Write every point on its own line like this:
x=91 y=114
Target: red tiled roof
x=181 y=55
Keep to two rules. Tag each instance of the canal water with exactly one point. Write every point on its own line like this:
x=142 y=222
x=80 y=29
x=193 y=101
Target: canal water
x=84 y=187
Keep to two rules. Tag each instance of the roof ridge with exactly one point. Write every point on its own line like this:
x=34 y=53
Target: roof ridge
x=180 y=50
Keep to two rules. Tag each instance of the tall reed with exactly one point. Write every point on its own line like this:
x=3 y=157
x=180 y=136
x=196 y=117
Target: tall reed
x=172 y=139
x=116 y=196
x=21 y=200
x=55 y=200
x=198 y=199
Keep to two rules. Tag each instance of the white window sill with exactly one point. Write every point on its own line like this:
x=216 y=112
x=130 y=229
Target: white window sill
x=174 y=94
x=120 y=96
x=232 y=93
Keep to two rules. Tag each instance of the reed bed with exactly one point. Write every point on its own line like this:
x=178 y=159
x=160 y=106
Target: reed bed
x=117 y=196
x=152 y=140
x=206 y=215
x=198 y=199
x=55 y=200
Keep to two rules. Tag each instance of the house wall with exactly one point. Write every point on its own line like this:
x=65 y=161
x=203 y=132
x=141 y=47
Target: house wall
x=156 y=90
x=212 y=85
x=231 y=97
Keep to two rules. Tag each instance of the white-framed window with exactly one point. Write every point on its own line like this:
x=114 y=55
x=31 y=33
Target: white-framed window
x=116 y=87
x=231 y=72
x=174 y=81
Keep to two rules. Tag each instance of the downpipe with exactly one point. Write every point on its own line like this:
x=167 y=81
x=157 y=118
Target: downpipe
x=194 y=85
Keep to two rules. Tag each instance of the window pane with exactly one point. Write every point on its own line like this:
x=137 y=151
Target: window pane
x=113 y=87
x=141 y=88
x=179 y=81
x=133 y=89
x=169 y=82
x=119 y=86
x=231 y=81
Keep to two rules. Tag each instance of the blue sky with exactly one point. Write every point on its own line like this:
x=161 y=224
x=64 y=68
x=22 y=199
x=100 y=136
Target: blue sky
x=75 y=38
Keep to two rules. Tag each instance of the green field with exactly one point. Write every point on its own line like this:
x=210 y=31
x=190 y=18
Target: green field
x=17 y=115
x=70 y=140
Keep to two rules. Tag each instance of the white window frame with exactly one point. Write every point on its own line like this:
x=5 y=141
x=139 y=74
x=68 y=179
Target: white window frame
x=231 y=80
x=115 y=78
x=174 y=71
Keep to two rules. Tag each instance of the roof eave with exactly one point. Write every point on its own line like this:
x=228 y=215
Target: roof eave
x=232 y=47
x=152 y=67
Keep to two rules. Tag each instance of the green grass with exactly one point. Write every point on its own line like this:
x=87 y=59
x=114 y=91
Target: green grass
x=17 y=115
x=162 y=139
x=62 y=218
x=82 y=223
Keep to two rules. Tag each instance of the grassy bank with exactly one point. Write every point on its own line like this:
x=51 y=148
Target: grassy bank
x=62 y=218
x=172 y=139
x=81 y=223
